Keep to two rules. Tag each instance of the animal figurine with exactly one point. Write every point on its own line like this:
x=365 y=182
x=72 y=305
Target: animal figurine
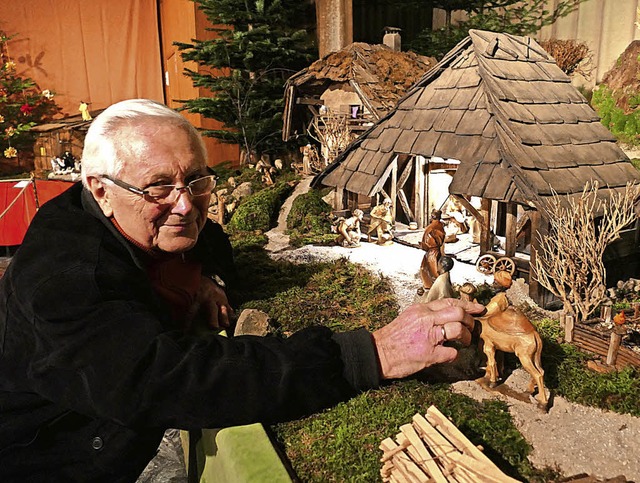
x=507 y=329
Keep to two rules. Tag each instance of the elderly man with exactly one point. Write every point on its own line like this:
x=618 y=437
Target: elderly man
x=97 y=352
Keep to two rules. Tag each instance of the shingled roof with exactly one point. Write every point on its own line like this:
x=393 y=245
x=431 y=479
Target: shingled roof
x=379 y=75
x=500 y=105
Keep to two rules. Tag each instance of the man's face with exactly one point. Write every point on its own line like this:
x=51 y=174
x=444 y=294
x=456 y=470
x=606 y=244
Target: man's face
x=158 y=155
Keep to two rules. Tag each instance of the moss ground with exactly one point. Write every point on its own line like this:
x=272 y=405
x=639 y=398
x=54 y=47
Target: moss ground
x=341 y=443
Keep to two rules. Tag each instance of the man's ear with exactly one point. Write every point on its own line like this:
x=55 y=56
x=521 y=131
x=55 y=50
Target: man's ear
x=100 y=194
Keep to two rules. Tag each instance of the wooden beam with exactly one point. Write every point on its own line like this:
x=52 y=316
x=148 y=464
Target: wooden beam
x=365 y=100
x=538 y=229
x=394 y=188
x=471 y=209
x=309 y=101
x=383 y=179
x=288 y=113
x=419 y=191
x=405 y=205
x=339 y=199
x=485 y=233
x=510 y=229
x=405 y=175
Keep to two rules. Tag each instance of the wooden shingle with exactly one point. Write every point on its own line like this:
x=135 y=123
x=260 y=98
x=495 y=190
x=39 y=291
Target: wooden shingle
x=423 y=119
x=369 y=162
x=469 y=78
x=360 y=182
x=426 y=142
x=448 y=120
x=462 y=98
x=388 y=139
x=499 y=184
x=405 y=141
x=473 y=123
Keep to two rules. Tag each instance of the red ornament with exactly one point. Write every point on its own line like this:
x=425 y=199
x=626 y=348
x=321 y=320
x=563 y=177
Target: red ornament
x=26 y=109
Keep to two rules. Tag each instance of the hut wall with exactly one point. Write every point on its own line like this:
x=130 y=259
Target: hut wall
x=339 y=98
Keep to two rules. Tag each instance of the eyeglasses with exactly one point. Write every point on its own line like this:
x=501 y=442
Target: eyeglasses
x=168 y=193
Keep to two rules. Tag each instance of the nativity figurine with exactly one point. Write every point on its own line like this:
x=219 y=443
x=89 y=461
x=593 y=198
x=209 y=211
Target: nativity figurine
x=381 y=223
x=441 y=288
x=432 y=242
x=506 y=328
x=349 y=230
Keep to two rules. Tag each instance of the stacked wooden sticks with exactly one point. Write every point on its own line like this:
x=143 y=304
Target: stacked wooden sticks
x=432 y=449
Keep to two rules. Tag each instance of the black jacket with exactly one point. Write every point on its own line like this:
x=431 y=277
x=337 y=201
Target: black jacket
x=93 y=369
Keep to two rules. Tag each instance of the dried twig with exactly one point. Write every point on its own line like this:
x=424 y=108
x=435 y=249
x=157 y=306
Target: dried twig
x=569 y=261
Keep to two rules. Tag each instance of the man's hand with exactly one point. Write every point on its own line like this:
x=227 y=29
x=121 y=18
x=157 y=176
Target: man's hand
x=414 y=339
x=213 y=305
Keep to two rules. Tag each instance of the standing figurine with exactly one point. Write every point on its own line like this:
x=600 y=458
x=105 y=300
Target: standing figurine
x=442 y=288
x=349 y=230
x=381 y=222
x=432 y=242
x=84 y=109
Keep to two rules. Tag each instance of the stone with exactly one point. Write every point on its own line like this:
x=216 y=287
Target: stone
x=244 y=189
x=252 y=322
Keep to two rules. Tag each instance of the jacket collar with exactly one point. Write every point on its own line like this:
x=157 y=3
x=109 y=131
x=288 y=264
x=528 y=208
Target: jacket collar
x=90 y=205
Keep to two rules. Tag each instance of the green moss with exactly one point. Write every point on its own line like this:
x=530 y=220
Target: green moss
x=624 y=126
x=338 y=295
x=309 y=220
x=260 y=210
x=342 y=443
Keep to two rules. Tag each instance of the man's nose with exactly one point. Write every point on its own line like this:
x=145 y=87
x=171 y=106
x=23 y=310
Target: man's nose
x=183 y=203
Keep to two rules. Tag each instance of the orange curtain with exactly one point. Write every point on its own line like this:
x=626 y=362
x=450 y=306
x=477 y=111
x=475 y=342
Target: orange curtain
x=96 y=51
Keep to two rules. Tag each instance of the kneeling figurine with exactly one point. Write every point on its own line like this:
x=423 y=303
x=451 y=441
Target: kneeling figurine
x=349 y=230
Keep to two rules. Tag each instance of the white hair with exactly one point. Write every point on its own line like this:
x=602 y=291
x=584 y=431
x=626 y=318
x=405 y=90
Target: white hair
x=105 y=146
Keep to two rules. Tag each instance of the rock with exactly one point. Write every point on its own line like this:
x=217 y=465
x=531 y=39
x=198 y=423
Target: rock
x=329 y=197
x=252 y=322
x=242 y=190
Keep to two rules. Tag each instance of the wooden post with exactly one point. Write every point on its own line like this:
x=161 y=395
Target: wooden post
x=338 y=201
x=221 y=209
x=605 y=313
x=394 y=190
x=614 y=344
x=568 y=320
x=538 y=229
x=419 y=191
x=485 y=233
x=510 y=229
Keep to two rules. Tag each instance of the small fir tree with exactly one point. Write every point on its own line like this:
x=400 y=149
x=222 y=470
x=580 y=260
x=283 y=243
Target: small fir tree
x=22 y=106
x=258 y=45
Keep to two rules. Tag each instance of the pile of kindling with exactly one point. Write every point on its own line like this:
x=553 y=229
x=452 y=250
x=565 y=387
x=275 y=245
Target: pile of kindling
x=432 y=449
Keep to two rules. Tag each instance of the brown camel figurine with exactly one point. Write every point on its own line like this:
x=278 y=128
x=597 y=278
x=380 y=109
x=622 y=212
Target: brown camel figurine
x=507 y=329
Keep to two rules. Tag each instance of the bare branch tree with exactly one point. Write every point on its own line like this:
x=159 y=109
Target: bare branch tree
x=333 y=133
x=569 y=261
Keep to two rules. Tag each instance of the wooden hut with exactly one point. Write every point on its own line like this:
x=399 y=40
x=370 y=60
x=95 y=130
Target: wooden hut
x=57 y=137
x=360 y=81
x=494 y=119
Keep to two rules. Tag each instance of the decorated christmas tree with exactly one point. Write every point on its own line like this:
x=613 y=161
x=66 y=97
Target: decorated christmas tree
x=258 y=45
x=22 y=106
